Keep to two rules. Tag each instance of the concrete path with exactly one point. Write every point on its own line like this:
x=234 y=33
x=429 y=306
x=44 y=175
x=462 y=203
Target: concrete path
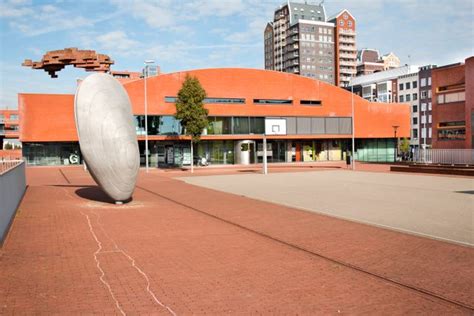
x=434 y=206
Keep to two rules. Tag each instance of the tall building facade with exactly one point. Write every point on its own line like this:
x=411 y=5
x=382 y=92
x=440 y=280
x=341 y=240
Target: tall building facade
x=426 y=106
x=345 y=47
x=453 y=105
x=408 y=92
x=301 y=40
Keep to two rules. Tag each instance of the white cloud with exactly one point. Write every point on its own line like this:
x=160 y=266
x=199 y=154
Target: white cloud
x=157 y=14
x=116 y=40
x=14 y=9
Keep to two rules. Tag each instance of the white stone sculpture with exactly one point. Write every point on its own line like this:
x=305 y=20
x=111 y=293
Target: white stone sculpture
x=107 y=136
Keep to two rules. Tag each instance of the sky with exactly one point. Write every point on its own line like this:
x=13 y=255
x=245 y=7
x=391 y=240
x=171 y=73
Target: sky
x=182 y=35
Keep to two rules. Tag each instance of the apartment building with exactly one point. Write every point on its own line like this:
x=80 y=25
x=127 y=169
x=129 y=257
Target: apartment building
x=345 y=47
x=9 y=126
x=381 y=86
x=408 y=92
x=368 y=62
x=301 y=40
x=426 y=106
x=453 y=105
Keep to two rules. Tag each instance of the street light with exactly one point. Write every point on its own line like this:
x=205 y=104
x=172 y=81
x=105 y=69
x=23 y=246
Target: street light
x=353 y=125
x=147 y=63
x=395 y=127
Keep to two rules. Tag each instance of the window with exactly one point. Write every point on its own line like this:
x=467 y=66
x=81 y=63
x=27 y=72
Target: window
x=452 y=134
x=415 y=84
x=241 y=125
x=224 y=100
x=407 y=98
x=423 y=119
x=415 y=109
x=423 y=133
x=400 y=86
x=14 y=117
x=341 y=23
x=423 y=106
x=401 y=99
x=257 y=125
x=429 y=119
x=429 y=106
x=423 y=82
x=219 y=126
x=310 y=102
x=451 y=97
x=424 y=94
x=415 y=96
x=407 y=85
x=429 y=132
x=415 y=133
x=272 y=101
x=349 y=23
x=429 y=94
x=212 y=100
x=429 y=81
x=415 y=120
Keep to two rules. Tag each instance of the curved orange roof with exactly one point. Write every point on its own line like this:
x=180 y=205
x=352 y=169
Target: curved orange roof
x=371 y=119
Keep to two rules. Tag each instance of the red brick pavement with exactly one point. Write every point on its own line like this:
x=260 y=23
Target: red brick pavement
x=189 y=250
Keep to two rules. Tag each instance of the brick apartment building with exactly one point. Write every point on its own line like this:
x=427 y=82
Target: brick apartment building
x=302 y=40
x=453 y=105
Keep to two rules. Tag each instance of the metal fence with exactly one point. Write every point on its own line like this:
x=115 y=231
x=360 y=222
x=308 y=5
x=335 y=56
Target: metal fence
x=12 y=188
x=6 y=165
x=444 y=156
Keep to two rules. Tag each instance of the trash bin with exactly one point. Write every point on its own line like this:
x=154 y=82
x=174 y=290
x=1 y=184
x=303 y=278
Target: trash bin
x=348 y=159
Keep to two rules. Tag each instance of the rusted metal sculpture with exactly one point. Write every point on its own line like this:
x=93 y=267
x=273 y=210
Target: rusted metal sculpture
x=56 y=60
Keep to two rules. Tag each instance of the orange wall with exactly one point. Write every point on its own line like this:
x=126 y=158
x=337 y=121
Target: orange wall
x=51 y=117
x=47 y=117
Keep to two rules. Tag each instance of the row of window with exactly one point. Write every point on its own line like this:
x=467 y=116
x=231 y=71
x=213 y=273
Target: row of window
x=423 y=120
x=425 y=81
x=408 y=85
x=407 y=97
x=255 y=101
x=220 y=125
x=451 y=97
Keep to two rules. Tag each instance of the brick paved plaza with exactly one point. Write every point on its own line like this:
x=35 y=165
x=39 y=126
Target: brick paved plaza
x=184 y=249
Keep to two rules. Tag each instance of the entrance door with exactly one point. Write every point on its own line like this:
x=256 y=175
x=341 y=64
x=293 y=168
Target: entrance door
x=169 y=154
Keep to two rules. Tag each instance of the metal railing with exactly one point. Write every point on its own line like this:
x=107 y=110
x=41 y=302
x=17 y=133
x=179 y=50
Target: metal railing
x=444 y=156
x=6 y=165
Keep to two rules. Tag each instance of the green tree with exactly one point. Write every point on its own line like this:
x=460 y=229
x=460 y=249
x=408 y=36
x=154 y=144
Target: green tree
x=405 y=145
x=190 y=110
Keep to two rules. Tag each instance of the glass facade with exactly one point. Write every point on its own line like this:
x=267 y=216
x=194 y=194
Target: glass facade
x=376 y=150
x=158 y=125
x=49 y=154
x=216 y=152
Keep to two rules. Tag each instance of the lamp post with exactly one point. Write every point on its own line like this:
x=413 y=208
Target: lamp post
x=353 y=126
x=395 y=127
x=147 y=63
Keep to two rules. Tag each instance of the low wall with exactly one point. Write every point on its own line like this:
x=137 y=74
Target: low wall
x=12 y=188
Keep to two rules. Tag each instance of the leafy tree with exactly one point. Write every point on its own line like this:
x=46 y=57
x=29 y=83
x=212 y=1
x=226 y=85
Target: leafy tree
x=8 y=146
x=405 y=146
x=190 y=110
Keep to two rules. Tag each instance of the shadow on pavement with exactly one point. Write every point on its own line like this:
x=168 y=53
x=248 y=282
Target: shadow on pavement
x=94 y=193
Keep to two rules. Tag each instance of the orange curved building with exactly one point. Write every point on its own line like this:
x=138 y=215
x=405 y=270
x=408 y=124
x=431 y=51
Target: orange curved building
x=314 y=120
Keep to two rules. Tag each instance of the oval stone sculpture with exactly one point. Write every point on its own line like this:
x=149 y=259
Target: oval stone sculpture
x=107 y=136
